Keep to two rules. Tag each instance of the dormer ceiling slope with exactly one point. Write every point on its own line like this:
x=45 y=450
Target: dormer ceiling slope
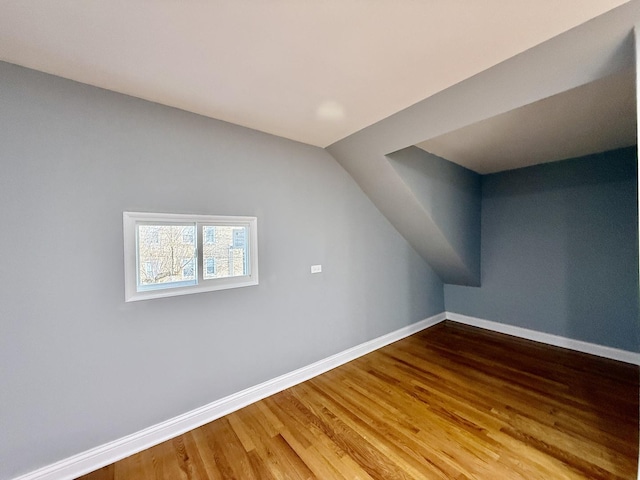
x=600 y=48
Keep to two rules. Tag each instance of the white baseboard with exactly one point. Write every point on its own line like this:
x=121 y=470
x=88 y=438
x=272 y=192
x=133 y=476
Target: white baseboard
x=98 y=457
x=580 y=346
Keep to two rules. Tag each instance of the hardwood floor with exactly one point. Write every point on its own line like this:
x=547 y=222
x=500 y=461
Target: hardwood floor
x=451 y=402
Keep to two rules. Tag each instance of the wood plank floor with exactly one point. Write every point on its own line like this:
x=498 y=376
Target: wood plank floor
x=451 y=402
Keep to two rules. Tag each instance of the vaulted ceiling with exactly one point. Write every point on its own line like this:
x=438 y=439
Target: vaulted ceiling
x=312 y=71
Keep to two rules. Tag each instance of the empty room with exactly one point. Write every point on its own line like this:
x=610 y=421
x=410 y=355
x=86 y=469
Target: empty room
x=319 y=240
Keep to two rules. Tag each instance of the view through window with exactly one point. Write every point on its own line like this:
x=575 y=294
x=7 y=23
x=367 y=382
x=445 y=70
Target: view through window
x=187 y=253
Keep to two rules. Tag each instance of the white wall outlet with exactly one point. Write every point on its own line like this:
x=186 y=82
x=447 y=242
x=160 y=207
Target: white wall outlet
x=316 y=268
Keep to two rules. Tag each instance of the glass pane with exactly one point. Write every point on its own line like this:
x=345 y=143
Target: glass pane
x=227 y=254
x=209 y=234
x=166 y=256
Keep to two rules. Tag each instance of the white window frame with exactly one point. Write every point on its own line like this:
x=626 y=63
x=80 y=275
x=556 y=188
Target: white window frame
x=130 y=220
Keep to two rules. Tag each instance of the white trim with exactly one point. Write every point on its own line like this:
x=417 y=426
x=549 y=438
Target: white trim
x=578 y=345
x=108 y=453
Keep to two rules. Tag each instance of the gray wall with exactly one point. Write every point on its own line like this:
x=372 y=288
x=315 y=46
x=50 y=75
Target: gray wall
x=560 y=250
x=78 y=366
x=450 y=194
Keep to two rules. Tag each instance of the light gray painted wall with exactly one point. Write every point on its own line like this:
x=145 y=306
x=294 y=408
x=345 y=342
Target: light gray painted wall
x=560 y=250
x=450 y=194
x=78 y=366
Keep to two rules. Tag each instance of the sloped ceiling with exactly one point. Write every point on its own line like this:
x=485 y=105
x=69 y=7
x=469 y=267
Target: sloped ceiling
x=308 y=70
x=591 y=118
x=603 y=47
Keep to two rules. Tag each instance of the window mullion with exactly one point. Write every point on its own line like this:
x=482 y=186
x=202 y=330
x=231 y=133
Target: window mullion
x=199 y=250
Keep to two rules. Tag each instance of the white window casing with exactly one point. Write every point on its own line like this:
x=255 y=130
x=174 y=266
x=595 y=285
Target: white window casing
x=168 y=251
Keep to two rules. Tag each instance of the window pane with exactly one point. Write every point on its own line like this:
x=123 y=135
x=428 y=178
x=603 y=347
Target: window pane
x=188 y=271
x=228 y=255
x=166 y=256
x=209 y=234
x=210 y=268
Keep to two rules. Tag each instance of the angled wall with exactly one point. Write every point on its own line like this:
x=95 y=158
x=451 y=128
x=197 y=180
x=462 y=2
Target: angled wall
x=449 y=196
x=586 y=53
x=380 y=178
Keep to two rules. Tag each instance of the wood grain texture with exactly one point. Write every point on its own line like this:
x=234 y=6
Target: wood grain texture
x=451 y=402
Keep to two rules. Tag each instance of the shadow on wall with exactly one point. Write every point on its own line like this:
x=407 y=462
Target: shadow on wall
x=449 y=199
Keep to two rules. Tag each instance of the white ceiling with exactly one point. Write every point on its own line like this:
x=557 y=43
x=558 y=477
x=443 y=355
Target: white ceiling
x=308 y=70
x=595 y=117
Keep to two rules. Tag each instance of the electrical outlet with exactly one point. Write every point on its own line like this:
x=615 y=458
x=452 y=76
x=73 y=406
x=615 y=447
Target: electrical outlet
x=316 y=268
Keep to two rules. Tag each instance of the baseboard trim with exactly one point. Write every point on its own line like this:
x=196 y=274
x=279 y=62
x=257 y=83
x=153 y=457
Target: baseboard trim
x=558 y=341
x=90 y=460
x=98 y=457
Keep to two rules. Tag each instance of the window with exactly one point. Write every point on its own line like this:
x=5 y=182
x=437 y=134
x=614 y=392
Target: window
x=148 y=270
x=209 y=234
x=172 y=254
x=187 y=234
x=152 y=236
x=210 y=266
x=188 y=271
x=238 y=237
x=161 y=262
